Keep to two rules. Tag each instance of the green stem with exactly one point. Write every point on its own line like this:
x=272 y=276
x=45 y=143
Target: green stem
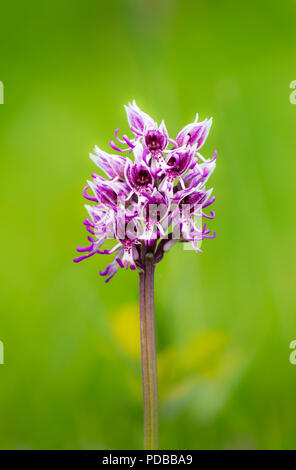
x=148 y=351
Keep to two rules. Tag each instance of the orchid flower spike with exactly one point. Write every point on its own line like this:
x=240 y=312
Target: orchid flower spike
x=140 y=202
x=153 y=195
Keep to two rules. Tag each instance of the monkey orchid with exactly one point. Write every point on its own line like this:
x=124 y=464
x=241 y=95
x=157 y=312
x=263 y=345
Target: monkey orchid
x=153 y=195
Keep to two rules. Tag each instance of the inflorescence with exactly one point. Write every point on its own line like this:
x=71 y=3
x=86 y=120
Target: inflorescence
x=153 y=201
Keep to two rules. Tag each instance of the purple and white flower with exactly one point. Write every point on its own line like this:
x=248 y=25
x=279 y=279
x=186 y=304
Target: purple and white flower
x=148 y=203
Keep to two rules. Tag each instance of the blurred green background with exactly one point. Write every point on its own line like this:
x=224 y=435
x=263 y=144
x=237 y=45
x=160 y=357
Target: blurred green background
x=225 y=318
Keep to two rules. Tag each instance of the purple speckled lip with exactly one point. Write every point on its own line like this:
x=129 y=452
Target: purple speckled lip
x=140 y=202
